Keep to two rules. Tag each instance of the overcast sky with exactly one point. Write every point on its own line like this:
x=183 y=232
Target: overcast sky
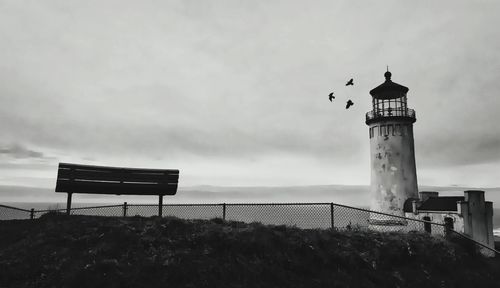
x=236 y=92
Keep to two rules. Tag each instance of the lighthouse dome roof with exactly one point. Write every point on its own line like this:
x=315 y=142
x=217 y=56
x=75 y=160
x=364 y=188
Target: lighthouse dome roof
x=388 y=89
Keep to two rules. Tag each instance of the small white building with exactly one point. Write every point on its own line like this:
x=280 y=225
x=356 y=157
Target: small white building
x=469 y=214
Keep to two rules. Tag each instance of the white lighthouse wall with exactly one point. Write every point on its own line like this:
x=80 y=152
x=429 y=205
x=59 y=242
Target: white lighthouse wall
x=393 y=171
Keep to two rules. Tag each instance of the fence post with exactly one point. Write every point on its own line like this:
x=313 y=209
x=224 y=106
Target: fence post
x=68 y=204
x=32 y=214
x=124 y=209
x=160 y=206
x=224 y=211
x=331 y=215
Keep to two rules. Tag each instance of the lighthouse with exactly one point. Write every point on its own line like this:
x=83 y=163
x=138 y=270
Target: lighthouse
x=392 y=152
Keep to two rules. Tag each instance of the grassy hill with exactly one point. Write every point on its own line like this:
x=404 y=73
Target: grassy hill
x=86 y=251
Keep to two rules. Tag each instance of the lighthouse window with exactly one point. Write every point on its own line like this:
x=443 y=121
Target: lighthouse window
x=388 y=130
x=391 y=107
x=373 y=130
x=397 y=130
x=382 y=130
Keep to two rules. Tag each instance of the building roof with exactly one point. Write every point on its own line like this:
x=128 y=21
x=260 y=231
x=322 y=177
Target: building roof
x=447 y=203
x=389 y=89
x=407 y=206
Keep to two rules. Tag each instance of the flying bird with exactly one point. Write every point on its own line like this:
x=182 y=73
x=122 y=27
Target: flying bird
x=349 y=104
x=350 y=82
x=331 y=97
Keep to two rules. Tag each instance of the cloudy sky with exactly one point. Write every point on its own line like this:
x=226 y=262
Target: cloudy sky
x=236 y=92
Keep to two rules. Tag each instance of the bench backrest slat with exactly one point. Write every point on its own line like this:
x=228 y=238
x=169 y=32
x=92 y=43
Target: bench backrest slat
x=118 y=175
x=75 y=178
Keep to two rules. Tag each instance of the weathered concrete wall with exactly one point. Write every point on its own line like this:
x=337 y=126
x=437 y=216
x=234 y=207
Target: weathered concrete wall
x=478 y=220
x=393 y=171
x=438 y=217
x=489 y=229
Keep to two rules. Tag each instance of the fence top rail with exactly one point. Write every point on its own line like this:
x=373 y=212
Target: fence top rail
x=81 y=208
x=237 y=204
x=298 y=204
x=280 y=204
x=15 y=208
x=245 y=204
x=387 y=214
x=179 y=205
x=325 y=203
x=51 y=210
x=96 y=207
x=476 y=242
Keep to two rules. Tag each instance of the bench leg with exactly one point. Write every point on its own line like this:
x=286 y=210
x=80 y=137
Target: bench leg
x=160 y=206
x=68 y=204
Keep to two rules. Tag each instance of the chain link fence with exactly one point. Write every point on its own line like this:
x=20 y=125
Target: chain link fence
x=13 y=213
x=302 y=215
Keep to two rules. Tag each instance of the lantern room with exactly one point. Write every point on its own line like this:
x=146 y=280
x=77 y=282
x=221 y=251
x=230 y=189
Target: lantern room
x=389 y=101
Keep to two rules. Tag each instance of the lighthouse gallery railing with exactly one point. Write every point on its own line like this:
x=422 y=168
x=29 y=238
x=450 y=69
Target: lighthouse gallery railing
x=390 y=112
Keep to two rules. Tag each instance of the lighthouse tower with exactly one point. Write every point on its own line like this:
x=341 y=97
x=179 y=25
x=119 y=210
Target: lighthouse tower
x=392 y=152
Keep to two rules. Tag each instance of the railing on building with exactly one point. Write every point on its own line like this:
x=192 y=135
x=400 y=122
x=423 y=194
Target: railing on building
x=390 y=112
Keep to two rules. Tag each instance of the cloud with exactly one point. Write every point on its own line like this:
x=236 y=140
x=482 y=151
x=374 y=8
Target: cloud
x=18 y=151
x=229 y=82
x=458 y=148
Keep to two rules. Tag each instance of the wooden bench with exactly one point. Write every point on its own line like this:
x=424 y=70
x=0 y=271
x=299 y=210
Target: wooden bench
x=76 y=178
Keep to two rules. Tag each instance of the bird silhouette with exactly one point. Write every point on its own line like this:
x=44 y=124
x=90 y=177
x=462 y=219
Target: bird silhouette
x=349 y=104
x=350 y=82
x=331 y=97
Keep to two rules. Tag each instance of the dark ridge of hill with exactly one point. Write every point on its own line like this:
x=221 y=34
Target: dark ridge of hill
x=90 y=251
